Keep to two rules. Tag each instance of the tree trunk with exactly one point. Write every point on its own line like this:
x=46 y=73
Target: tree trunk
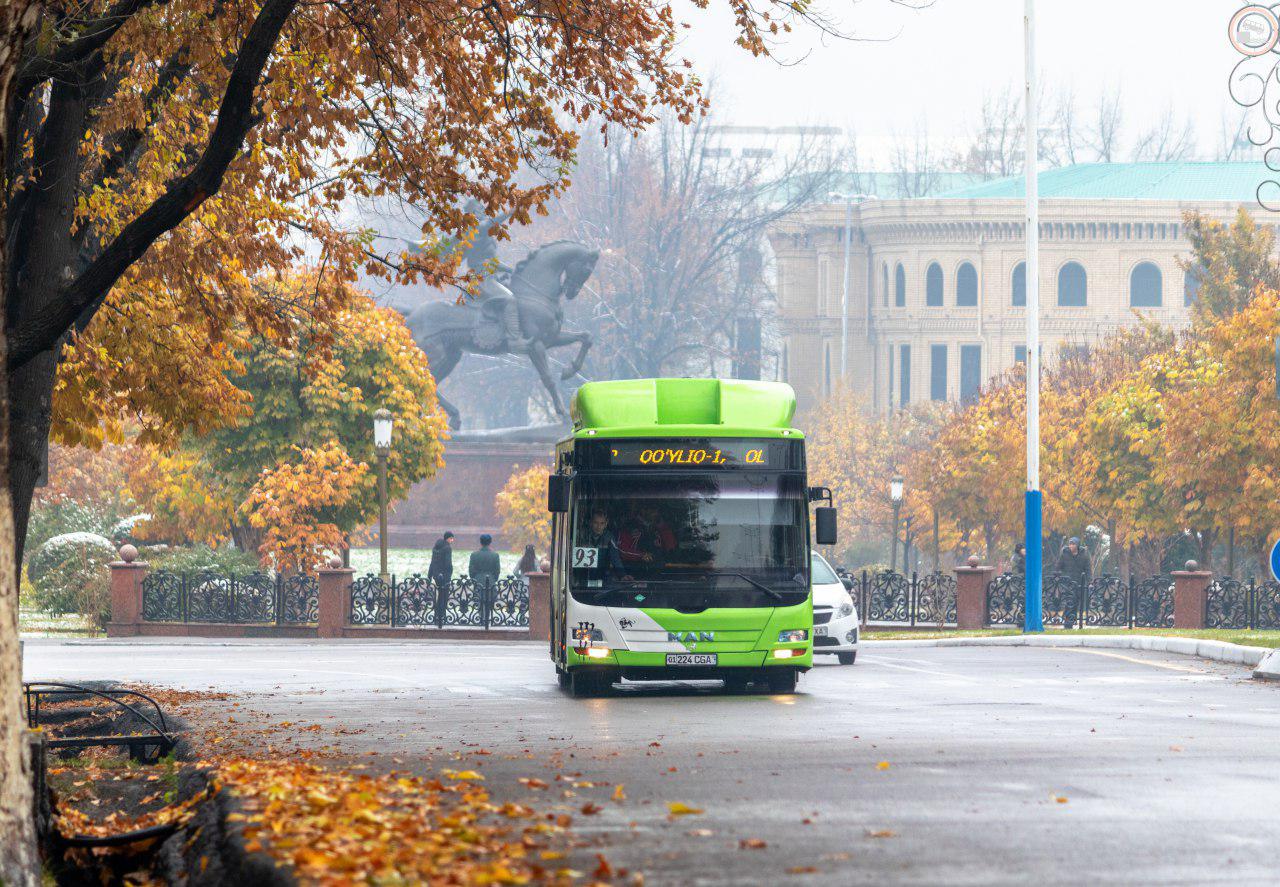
x=19 y=861
x=246 y=538
x=30 y=412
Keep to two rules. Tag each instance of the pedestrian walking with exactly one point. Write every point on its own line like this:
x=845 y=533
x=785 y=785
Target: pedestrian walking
x=484 y=568
x=1018 y=563
x=1073 y=562
x=440 y=570
x=528 y=562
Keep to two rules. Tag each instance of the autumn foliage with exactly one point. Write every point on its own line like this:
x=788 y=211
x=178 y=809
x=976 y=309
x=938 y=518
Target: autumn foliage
x=294 y=503
x=1150 y=436
x=522 y=505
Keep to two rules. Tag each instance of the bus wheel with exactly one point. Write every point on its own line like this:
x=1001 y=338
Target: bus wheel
x=782 y=680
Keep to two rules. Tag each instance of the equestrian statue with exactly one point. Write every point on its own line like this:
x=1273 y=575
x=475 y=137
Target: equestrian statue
x=517 y=311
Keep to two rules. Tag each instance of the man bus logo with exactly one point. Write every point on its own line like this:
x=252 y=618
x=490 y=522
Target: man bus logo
x=688 y=637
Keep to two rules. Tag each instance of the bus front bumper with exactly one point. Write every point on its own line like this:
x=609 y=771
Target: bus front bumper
x=655 y=666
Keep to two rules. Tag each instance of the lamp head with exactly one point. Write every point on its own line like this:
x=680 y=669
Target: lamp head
x=382 y=422
x=895 y=488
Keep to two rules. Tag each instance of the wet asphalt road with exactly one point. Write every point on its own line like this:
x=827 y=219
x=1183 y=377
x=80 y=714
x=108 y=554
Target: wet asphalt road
x=1004 y=765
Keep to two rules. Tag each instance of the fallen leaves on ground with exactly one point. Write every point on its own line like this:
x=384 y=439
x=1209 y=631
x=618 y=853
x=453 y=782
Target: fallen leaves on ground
x=881 y=833
x=336 y=826
x=1060 y=799
x=752 y=844
x=679 y=808
x=883 y=765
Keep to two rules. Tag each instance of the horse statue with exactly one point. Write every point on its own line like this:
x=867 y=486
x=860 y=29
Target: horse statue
x=516 y=313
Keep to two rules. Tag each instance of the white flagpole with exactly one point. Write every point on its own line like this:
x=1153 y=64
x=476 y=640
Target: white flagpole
x=1034 y=506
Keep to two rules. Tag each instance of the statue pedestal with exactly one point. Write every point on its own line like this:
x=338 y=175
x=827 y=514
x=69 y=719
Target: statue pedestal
x=461 y=495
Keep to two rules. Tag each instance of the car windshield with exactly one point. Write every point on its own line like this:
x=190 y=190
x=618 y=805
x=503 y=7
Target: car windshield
x=738 y=537
x=822 y=572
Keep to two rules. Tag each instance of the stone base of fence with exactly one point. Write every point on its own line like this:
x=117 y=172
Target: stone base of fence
x=334 y=599
x=126 y=593
x=1190 y=591
x=971 y=595
x=540 y=606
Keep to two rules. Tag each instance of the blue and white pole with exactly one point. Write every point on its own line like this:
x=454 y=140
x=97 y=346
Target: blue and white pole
x=1034 y=505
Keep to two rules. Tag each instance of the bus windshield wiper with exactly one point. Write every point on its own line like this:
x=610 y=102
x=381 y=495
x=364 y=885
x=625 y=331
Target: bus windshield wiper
x=777 y=596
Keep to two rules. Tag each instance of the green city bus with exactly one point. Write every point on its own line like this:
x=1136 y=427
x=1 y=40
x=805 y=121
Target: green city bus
x=681 y=536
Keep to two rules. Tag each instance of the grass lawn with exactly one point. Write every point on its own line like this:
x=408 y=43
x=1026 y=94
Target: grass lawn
x=407 y=561
x=37 y=623
x=1230 y=635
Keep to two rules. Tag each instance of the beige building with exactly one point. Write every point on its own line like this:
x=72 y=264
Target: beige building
x=936 y=293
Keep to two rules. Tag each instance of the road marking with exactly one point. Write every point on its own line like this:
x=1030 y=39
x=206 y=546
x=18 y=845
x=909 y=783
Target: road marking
x=935 y=672
x=1135 y=660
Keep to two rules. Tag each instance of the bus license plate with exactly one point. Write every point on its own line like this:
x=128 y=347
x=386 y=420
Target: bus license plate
x=819 y=631
x=691 y=658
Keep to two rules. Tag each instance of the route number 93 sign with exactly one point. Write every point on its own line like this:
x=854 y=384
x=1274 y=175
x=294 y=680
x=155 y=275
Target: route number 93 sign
x=586 y=557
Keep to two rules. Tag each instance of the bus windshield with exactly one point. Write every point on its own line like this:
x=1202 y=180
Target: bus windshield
x=724 y=539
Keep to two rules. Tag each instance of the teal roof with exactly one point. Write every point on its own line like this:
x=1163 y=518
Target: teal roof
x=1232 y=182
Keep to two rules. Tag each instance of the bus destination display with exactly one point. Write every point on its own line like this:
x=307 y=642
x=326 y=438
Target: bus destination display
x=696 y=454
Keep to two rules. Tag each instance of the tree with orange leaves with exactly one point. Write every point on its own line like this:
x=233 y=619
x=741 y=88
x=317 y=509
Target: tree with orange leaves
x=295 y=505
x=522 y=505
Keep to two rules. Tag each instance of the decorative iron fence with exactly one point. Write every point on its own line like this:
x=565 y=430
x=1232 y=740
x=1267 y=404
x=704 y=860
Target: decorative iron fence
x=895 y=599
x=417 y=602
x=1070 y=603
x=255 y=599
x=1233 y=603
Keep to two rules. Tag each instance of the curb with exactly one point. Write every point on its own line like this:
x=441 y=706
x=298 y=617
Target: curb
x=1266 y=660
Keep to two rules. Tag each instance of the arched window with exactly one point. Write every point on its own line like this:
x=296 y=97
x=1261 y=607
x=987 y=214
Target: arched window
x=900 y=287
x=1190 y=286
x=1020 y=285
x=967 y=286
x=884 y=283
x=1073 y=286
x=933 y=285
x=1145 y=286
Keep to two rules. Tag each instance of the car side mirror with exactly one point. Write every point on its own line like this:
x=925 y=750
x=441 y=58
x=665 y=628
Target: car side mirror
x=558 y=494
x=824 y=525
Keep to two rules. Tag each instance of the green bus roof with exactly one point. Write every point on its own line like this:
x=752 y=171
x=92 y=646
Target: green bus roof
x=684 y=408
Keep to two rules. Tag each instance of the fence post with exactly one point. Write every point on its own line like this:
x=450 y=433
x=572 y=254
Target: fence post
x=333 y=598
x=971 y=594
x=1190 y=592
x=126 y=593
x=539 y=606
x=862 y=598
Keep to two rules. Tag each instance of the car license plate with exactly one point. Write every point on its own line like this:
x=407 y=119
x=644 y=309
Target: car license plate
x=819 y=631
x=691 y=658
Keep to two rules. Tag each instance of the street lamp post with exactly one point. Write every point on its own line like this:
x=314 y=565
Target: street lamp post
x=382 y=422
x=895 y=494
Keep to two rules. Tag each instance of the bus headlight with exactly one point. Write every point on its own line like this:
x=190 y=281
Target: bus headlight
x=788 y=653
x=597 y=652
x=793 y=636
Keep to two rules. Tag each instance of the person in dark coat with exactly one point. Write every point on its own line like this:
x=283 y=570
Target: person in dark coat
x=1018 y=563
x=528 y=561
x=1073 y=562
x=441 y=569
x=484 y=567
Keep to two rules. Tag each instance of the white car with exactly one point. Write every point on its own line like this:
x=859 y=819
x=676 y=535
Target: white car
x=835 y=615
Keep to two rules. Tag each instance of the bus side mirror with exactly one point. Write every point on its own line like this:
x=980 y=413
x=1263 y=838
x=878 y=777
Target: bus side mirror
x=824 y=525
x=558 y=494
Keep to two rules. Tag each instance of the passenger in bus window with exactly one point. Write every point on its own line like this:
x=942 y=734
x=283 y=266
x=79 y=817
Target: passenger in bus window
x=599 y=536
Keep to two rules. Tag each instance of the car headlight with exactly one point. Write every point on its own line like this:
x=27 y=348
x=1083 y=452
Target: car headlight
x=793 y=636
x=846 y=609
